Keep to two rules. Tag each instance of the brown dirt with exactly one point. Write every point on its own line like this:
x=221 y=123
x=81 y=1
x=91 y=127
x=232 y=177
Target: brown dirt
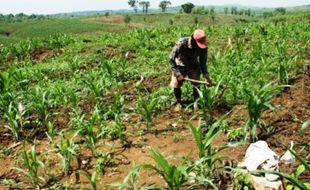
x=112 y=19
x=45 y=53
x=171 y=135
x=110 y=52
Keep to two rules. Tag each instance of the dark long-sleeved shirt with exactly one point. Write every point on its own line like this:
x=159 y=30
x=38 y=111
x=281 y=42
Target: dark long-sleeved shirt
x=185 y=57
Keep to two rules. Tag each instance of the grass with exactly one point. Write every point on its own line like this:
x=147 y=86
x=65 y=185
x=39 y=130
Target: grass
x=88 y=25
x=42 y=28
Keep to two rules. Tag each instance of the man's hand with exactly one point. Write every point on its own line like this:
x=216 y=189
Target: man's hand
x=209 y=81
x=180 y=77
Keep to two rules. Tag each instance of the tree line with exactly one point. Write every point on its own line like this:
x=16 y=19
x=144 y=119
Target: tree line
x=190 y=8
x=21 y=16
x=146 y=4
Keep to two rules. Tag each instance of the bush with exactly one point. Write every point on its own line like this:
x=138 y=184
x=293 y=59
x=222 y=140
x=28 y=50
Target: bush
x=127 y=19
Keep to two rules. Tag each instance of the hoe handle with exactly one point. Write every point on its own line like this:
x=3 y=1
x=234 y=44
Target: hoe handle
x=198 y=81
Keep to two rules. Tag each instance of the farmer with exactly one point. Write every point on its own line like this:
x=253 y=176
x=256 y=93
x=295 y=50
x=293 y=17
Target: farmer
x=189 y=58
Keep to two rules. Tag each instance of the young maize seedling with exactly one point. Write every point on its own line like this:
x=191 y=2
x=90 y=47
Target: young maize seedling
x=257 y=102
x=207 y=99
x=6 y=95
x=102 y=160
x=66 y=150
x=116 y=108
x=12 y=116
x=205 y=168
x=173 y=175
x=97 y=84
x=208 y=154
x=90 y=137
x=118 y=131
x=93 y=178
x=32 y=164
x=41 y=102
x=51 y=131
x=129 y=181
x=146 y=108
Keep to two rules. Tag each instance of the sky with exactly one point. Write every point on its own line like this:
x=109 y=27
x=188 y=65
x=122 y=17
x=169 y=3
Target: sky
x=63 y=6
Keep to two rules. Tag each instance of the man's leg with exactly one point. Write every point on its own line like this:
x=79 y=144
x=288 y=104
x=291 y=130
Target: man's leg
x=178 y=95
x=176 y=85
x=194 y=74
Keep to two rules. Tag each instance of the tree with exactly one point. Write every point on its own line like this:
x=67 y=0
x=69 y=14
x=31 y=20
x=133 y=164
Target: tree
x=248 y=13
x=127 y=19
x=199 y=10
x=196 y=20
x=226 y=10
x=212 y=11
x=133 y=4
x=163 y=5
x=280 y=10
x=142 y=4
x=145 y=6
x=212 y=14
x=188 y=7
x=2 y=17
x=32 y=16
x=234 y=10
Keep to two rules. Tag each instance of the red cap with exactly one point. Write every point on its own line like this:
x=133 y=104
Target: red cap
x=200 y=38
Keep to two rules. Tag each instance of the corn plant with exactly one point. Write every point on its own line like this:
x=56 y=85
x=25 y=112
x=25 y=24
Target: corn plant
x=12 y=117
x=87 y=128
x=102 y=159
x=66 y=150
x=117 y=130
x=16 y=119
x=129 y=181
x=41 y=103
x=75 y=63
x=108 y=67
x=206 y=153
x=207 y=99
x=257 y=102
x=6 y=95
x=32 y=163
x=164 y=97
x=173 y=175
x=146 y=107
x=93 y=178
x=283 y=70
x=96 y=83
x=51 y=131
x=115 y=109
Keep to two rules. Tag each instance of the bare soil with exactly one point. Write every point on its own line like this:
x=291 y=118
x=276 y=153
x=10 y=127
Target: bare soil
x=45 y=53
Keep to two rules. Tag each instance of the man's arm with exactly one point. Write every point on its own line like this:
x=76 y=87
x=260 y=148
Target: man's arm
x=203 y=62
x=173 y=56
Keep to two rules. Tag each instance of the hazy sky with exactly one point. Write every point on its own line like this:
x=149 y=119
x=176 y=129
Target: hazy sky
x=60 y=6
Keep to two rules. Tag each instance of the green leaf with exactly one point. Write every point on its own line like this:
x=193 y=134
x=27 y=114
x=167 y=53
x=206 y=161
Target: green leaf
x=305 y=125
x=299 y=170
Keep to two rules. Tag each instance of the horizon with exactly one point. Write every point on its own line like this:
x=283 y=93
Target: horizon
x=71 y=6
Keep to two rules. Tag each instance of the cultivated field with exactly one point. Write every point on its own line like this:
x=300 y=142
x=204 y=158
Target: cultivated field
x=85 y=102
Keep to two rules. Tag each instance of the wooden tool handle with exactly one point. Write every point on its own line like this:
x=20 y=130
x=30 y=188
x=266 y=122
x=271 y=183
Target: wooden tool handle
x=197 y=81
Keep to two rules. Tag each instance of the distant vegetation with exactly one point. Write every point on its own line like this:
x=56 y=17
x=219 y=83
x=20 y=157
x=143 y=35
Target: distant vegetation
x=14 y=28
